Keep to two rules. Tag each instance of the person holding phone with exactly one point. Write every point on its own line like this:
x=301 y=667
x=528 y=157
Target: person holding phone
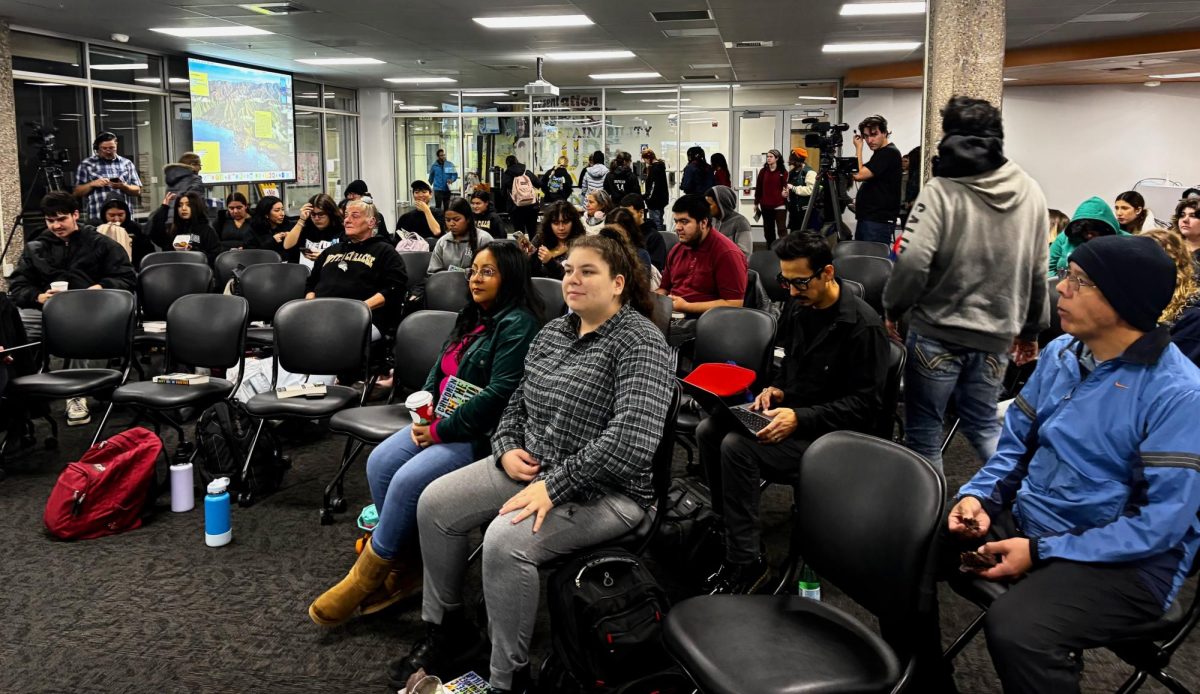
x=877 y=205
x=190 y=230
x=560 y=226
x=105 y=174
x=318 y=227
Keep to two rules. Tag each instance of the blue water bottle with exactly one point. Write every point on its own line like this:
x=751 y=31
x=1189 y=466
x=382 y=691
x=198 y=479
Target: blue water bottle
x=217 y=528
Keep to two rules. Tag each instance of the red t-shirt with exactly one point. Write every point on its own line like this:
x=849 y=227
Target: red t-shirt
x=716 y=269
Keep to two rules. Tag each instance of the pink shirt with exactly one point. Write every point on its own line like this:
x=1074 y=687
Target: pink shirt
x=450 y=360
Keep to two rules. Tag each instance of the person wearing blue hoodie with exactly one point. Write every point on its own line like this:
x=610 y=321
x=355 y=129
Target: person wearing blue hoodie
x=1092 y=218
x=1089 y=506
x=441 y=174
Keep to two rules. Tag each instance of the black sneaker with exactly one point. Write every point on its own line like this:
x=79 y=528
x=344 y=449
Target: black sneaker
x=740 y=579
x=522 y=683
x=448 y=650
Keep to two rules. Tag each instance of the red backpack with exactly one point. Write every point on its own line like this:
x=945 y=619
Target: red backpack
x=108 y=489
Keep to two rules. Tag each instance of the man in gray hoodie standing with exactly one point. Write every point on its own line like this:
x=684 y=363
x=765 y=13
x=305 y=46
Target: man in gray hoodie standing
x=971 y=278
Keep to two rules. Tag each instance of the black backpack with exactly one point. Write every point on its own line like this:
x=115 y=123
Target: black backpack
x=223 y=436
x=606 y=614
x=690 y=536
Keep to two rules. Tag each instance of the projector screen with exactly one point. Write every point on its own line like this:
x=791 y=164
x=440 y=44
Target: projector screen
x=243 y=126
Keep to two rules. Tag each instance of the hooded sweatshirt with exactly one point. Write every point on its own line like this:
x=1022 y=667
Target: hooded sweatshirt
x=621 y=181
x=491 y=222
x=1092 y=208
x=556 y=185
x=733 y=224
x=971 y=263
x=592 y=179
x=182 y=178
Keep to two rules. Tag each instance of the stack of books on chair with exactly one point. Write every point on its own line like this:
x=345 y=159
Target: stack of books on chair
x=154 y=326
x=182 y=379
x=307 y=390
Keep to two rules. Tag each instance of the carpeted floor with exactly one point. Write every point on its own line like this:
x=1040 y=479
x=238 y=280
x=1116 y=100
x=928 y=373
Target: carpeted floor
x=155 y=610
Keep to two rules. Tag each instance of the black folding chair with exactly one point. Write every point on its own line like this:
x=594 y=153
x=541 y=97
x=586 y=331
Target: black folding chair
x=161 y=257
x=229 y=261
x=267 y=287
x=869 y=271
x=447 y=291
x=874 y=249
x=551 y=292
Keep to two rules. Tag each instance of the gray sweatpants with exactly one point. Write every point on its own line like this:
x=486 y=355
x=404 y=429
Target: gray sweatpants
x=457 y=503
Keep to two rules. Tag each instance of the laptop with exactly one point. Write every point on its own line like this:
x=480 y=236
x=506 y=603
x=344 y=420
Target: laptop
x=749 y=421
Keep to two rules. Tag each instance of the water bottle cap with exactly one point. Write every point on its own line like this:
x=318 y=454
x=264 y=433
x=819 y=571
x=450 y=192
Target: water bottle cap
x=218 y=486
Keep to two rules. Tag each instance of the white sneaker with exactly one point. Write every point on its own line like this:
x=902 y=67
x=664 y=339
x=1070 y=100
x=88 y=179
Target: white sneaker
x=77 y=412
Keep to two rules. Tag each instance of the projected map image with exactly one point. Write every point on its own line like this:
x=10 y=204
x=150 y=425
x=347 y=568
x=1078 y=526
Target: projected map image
x=242 y=125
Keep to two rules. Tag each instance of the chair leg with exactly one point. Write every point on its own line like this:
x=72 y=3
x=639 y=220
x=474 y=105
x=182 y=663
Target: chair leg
x=103 y=420
x=245 y=498
x=1170 y=682
x=1134 y=682
x=965 y=637
x=335 y=500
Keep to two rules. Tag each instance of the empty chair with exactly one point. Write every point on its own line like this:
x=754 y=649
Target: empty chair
x=207 y=330
x=851 y=487
x=551 y=292
x=874 y=249
x=869 y=271
x=766 y=264
x=447 y=291
x=670 y=238
x=82 y=324
x=267 y=287
x=419 y=342
x=159 y=286
x=416 y=266
x=316 y=336
x=161 y=257
x=853 y=287
x=228 y=261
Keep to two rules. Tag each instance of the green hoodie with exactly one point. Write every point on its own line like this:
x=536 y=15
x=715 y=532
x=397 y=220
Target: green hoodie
x=1092 y=208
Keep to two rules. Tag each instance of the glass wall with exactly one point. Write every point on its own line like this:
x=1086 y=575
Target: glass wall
x=137 y=121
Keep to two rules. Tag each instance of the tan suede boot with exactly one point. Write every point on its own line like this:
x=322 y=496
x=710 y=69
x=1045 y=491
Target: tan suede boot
x=401 y=583
x=338 y=604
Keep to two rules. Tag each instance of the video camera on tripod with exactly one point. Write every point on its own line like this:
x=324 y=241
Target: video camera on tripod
x=829 y=196
x=51 y=158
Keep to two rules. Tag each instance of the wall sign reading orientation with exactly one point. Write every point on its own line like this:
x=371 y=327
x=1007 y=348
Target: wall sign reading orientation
x=243 y=125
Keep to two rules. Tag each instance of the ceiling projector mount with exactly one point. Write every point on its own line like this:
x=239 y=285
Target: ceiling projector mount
x=540 y=87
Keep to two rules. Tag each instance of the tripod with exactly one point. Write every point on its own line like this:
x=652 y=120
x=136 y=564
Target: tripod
x=825 y=196
x=51 y=179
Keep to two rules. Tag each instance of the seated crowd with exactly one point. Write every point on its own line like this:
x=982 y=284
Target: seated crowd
x=1087 y=498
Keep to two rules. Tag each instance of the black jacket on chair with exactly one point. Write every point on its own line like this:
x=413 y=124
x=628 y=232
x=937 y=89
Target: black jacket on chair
x=84 y=259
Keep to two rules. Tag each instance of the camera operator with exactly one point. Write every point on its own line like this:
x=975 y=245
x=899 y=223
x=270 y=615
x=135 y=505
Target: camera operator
x=878 y=202
x=106 y=174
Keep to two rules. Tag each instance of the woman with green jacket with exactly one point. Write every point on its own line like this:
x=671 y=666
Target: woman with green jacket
x=1092 y=218
x=486 y=349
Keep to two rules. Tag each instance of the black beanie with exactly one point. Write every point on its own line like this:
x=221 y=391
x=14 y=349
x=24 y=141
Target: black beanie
x=1134 y=273
x=357 y=186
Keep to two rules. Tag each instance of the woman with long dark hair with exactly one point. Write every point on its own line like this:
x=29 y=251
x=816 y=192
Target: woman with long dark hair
x=697 y=175
x=720 y=170
x=656 y=188
x=268 y=225
x=231 y=222
x=631 y=233
x=456 y=248
x=1132 y=214
x=189 y=230
x=571 y=467
x=561 y=225
x=486 y=349
x=318 y=227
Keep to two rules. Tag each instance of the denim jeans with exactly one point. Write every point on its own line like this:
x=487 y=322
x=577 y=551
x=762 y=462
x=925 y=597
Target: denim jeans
x=656 y=216
x=397 y=472
x=934 y=372
x=874 y=231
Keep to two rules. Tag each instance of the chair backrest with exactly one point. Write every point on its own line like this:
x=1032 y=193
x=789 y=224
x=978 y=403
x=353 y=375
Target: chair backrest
x=162 y=257
x=416 y=266
x=88 y=324
x=744 y=336
x=267 y=287
x=750 y=298
x=208 y=330
x=766 y=264
x=867 y=513
x=886 y=423
x=871 y=272
x=228 y=261
x=419 y=342
x=875 y=249
x=160 y=285
x=551 y=292
x=322 y=336
x=670 y=238
x=855 y=288
x=447 y=291
x=660 y=471
x=662 y=312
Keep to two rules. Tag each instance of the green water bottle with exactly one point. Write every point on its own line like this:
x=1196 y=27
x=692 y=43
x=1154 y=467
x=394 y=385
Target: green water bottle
x=810 y=585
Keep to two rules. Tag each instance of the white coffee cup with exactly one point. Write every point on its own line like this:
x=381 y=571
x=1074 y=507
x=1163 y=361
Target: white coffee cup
x=420 y=407
x=59 y=286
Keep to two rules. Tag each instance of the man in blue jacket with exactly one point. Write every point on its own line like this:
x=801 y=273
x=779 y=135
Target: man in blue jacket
x=1090 y=503
x=441 y=174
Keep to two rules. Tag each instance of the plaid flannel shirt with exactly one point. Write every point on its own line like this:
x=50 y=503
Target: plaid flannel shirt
x=97 y=167
x=591 y=409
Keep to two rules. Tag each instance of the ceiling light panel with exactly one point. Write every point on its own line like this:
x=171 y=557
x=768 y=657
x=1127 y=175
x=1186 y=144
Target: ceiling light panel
x=340 y=61
x=211 y=32
x=534 y=21
x=589 y=55
x=877 y=9
x=625 y=76
x=870 y=47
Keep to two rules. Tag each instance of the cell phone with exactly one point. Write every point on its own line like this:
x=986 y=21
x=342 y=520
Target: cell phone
x=520 y=236
x=975 y=560
x=27 y=345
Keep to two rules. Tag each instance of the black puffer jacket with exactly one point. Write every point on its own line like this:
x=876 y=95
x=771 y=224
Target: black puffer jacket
x=85 y=258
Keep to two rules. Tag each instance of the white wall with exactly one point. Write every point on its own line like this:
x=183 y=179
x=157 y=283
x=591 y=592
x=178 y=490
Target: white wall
x=376 y=133
x=1075 y=141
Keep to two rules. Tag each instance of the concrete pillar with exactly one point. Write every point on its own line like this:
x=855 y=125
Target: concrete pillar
x=10 y=180
x=964 y=55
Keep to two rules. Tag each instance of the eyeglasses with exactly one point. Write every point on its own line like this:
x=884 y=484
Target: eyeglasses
x=800 y=284
x=1075 y=281
x=485 y=272
x=322 y=215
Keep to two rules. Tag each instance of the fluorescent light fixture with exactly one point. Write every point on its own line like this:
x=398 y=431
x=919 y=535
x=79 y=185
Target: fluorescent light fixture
x=662 y=101
x=340 y=61
x=625 y=76
x=268 y=8
x=710 y=86
x=211 y=32
x=418 y=80
x=474 y=94
x=121 y=66
x=415 y=108
x=511 y=103
x=126 y=110
x=1010 y=79
x=178 y=80
x=870 y=47
x=534 y=21
x=126 y=101
x=72 y=114
x=862 y=9
x=45 y=84
x=648 y=91
x=817 y=98
x=151 y=80
x=589 y=55
x=552 y=108
x=1175 y=76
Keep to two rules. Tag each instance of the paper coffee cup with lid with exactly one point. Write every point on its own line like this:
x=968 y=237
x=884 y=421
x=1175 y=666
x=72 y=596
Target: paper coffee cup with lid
x=420 y=407
x=60 y=286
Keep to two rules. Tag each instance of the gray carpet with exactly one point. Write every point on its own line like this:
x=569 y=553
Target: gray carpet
x=155 y=610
